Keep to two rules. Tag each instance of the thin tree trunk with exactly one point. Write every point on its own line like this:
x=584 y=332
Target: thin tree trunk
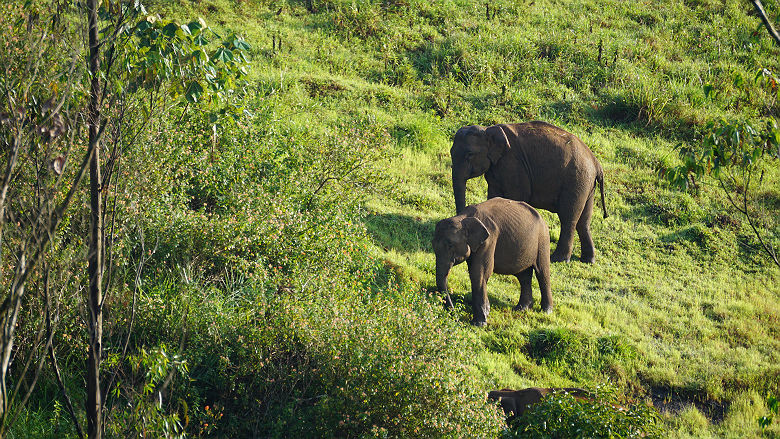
x=94 y=403
x=9 y=309
x=12 y=157
x=9 y=316
x=744 y=211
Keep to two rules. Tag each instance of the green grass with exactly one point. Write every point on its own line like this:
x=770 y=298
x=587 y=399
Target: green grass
x=676 y=310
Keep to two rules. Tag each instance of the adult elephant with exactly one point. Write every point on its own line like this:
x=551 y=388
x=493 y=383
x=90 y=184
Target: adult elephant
x=536 y=162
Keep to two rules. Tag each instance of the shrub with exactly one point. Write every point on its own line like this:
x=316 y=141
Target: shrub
x=565 y=350
x=561 y=415
x=332 y=361
x=284 y=204
x=142 y=412
x=400 y=373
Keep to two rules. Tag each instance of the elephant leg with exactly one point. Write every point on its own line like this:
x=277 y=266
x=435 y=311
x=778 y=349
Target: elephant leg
x=588 y=250
x=479 y=299
x=494 y=186
x=494 y=191
x=526 y=294
x=543 y=277
x=569 y=210
x=562 y=251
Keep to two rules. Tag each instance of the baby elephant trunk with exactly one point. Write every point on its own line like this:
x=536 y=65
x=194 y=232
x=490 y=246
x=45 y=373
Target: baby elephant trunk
x=442 y=272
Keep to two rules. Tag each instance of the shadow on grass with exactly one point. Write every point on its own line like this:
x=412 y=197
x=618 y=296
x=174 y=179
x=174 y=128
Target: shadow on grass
x=669 y=399
x=617 y=111
x=401 y=233
x=461 y=300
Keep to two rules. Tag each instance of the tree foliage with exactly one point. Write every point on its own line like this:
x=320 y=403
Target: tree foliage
x=736 y=153
x=138 y=68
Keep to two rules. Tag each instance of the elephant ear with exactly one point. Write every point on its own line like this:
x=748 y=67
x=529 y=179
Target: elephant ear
x=499 y=143
x=476 y=232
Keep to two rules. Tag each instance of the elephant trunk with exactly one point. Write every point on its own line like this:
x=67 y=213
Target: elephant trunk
x=459 y=190
x=442 y=272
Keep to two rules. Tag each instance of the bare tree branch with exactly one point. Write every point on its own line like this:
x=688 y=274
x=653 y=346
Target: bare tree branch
x=744 y=210
x=767 y=24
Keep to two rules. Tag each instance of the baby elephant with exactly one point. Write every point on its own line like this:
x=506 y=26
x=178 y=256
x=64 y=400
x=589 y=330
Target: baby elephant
x=498 y=236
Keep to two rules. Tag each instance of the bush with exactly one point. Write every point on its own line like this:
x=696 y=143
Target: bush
x=335 y=361
x=400 y=372
x=561 y=415
x=566 y=351
x=282 y=205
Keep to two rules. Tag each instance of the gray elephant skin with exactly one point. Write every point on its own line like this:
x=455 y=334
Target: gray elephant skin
x=497 y=236
x=536 y=162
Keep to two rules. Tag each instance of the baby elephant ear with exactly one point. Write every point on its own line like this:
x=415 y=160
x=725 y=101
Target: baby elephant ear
x=499 y=143
x=476 y=232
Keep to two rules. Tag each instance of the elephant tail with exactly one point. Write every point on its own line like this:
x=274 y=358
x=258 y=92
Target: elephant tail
x=600 y=181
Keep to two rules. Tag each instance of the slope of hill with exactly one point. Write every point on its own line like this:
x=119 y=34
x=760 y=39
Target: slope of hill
x=329 y=191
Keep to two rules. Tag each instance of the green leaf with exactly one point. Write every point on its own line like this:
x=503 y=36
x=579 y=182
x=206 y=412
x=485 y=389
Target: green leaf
x=757 y=153
x=240 y=44
x=201 y=40
x=224 y=55
x=194 y=91
x=194 y=26
x=707 y=90
x=143 y=25
x=200 y=55
x=170 y=30
x=773 y=139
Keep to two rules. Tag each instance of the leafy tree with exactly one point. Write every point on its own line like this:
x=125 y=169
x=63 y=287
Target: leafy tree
x=145 y=61
x=54 y=111
x=737 y=153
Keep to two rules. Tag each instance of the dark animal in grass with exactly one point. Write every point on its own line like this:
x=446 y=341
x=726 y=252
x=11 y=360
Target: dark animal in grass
x=497 y=236
x=517 y=402
x=541 y=164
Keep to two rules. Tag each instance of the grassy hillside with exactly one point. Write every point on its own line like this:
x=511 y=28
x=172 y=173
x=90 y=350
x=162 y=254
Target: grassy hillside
x=677 y=309
x=287 y=267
